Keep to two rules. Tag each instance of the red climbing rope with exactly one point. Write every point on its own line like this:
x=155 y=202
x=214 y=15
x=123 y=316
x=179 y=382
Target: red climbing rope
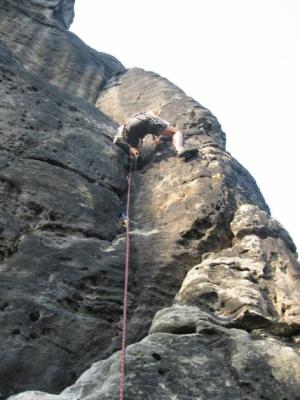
x=125 y=299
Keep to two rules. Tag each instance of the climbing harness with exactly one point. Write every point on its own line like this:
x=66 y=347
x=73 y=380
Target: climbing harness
x=125 y=299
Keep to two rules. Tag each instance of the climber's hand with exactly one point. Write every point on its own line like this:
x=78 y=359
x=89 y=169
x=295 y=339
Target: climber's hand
x=134 y=151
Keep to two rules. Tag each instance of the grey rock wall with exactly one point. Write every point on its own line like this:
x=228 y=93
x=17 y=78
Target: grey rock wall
x=59 y=13
x=60 y=184
x=214 y=363
x=214 y=280
x=36 y=32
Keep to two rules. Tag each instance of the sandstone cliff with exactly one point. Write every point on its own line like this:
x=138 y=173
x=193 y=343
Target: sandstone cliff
x=214 y=299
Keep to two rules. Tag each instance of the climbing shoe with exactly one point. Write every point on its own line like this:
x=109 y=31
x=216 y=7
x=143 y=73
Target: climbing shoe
x=187 y=153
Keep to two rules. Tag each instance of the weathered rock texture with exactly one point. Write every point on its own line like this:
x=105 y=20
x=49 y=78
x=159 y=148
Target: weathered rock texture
x=36 y=31
x=214 y=289
x=58 y=13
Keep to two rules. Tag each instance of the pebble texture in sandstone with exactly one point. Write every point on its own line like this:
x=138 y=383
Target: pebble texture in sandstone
x=214 y=290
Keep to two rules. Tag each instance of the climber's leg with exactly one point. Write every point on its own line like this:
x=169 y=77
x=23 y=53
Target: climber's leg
x=178 y=142
x=177 y=137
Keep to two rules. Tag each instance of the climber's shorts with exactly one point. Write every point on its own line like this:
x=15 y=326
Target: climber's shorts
x=137 y=128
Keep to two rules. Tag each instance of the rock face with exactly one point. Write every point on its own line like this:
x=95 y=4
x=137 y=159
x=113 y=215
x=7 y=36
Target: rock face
x=58 y=13
x=36 y=32
x=214 y=299
x=59 y=207
x=215 y=363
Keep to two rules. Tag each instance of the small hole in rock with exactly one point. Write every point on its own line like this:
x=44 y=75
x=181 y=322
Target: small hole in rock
x=5 y=305
x=34 y=316
x=33 y=335
x=156 y=356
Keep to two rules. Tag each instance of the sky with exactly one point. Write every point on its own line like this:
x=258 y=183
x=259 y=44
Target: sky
x=238 y=58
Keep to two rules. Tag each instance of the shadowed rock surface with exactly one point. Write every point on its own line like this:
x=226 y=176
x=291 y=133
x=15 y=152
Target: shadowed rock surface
x=215 y=363
x=57 y=13
x=36 y=32
x=59 y=205
x=214 y=299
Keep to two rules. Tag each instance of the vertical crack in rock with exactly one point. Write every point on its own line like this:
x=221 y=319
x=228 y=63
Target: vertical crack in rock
x=214 y=299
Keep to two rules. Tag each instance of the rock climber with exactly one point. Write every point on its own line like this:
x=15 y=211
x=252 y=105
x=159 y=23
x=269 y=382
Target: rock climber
x=144 y=123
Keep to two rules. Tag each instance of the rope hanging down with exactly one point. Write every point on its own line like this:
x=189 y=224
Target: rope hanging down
x=125 y=299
